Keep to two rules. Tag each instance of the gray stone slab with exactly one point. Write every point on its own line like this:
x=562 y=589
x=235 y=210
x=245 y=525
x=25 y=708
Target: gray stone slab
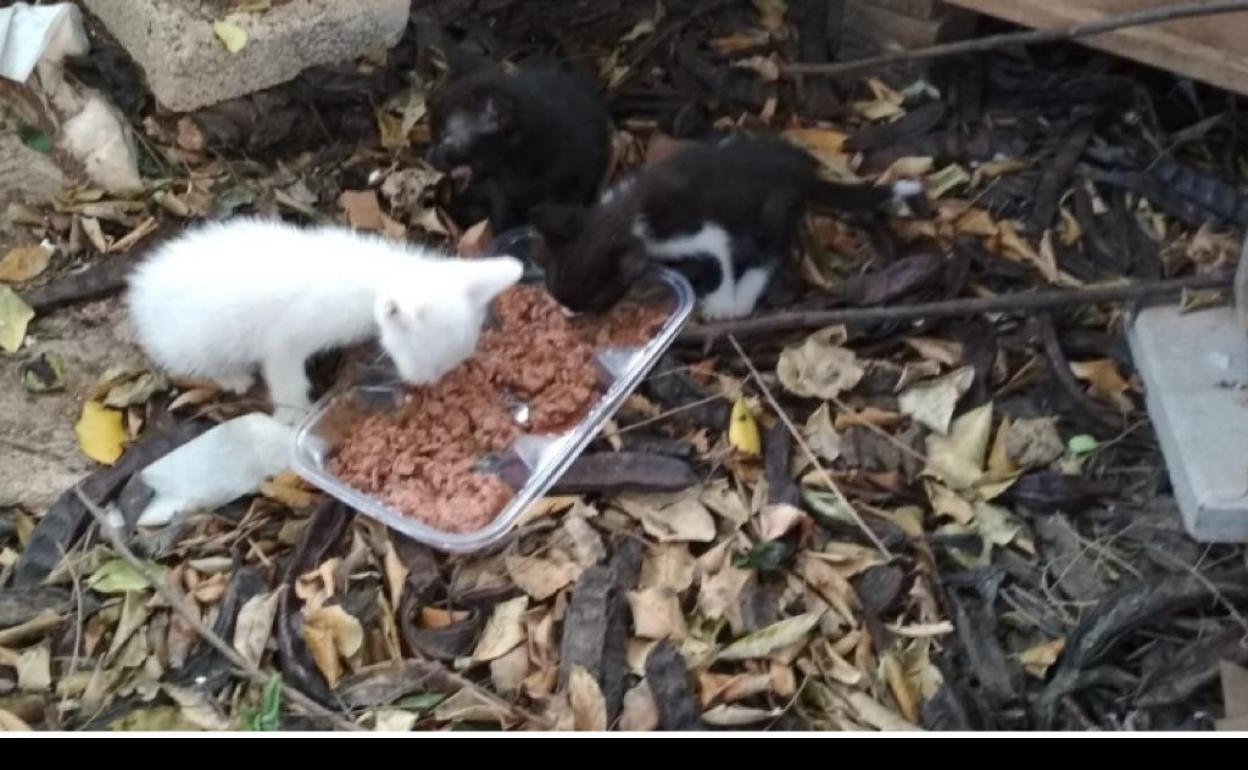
x=188 y=67
x=1195 y=372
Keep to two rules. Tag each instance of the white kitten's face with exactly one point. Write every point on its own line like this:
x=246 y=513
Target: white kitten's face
x=429 y=330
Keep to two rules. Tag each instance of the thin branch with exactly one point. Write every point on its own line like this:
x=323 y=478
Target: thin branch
x=1045 y=299
x=178 y=603
x=810 y=454
x=1028 y=37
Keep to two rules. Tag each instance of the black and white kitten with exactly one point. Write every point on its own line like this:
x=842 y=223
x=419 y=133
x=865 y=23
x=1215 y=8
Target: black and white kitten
x=511 y=142
x=723 y=214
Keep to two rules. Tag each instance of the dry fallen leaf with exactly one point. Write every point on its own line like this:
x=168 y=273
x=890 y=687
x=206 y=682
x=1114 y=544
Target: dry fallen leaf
x=670 y=566
x=504 y=630
x=1104 y=382
x=682 y=519
x=1033 y=443
x=289 y=490
x=947 y=352
x=656 y=613
x=25 y=262
x=720 y=596
x=197 y=708
x=589 y=708
x=821 y=435
x=332 y=634
x=394 y=720
x=255 y=624
x=640 y=713
x=958 y=458
x=362 y=209
x=738 y=716
x=15 y=314
x=906 y=168
x=946 y=502
x=932 y=402
x=101 y=433
x=542 y=578
x=1036 y=660
x=34 y=669
x=820 y=367
x=475 y=239
x=775 y=521
x=508 y=673
x=763 y=642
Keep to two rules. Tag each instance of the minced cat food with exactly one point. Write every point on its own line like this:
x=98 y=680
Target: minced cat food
x=422 y=459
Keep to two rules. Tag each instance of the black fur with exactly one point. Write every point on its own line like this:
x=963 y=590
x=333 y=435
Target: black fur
x=541 y=135
x=753 y=188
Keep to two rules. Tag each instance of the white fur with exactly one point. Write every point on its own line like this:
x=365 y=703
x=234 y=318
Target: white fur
x=225 y=299
x=733 y=298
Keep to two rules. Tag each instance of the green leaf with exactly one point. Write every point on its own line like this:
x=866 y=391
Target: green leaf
x=34 y=138
x=268 y=718
x=421 y=701
x=231 y=35
x=117 y=576
x=1082 y=444
x=15 y=314
x=767 y=556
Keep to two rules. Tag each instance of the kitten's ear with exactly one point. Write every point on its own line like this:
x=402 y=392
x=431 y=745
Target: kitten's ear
x=491 y=276
x=558 y=223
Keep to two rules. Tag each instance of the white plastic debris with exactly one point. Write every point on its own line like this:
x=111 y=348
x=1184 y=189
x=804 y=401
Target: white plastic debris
x=229 y=461
x=27 y=32
x=34 y=42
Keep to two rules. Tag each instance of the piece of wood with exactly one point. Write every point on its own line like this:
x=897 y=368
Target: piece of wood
x=1241 y=288
x=1213 y=49
x=915 y=9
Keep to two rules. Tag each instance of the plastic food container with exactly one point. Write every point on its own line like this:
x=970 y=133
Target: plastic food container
x=530 y=466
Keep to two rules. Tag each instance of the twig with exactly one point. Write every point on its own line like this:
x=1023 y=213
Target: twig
x=1044 y=299
x=901 y=446
x=810 y=454
x=659 y=38
x=1060 y=365
x=177 y=602
x=1028 y=37
x=1208 y=584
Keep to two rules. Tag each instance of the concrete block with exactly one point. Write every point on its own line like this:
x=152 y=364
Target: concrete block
x=1195 y=372
x=188 y=67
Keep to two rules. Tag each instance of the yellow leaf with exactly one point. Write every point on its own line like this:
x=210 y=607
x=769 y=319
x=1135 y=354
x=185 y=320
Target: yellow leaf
x=14 y=315
x=289 y=490
x=100 y=432
x=1036 y=660
x=332 y=633
x=24 y=263
x=231 y=35
x=743 y=430
x=1104 y=380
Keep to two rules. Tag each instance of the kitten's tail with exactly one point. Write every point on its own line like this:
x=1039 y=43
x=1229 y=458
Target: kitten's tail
x=861 y=197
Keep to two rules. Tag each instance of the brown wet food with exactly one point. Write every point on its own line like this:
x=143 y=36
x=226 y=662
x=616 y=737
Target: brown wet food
x=422 y=458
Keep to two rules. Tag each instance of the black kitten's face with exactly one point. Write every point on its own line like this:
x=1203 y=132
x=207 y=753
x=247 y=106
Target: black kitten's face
x=590 y=261
x=472 y=126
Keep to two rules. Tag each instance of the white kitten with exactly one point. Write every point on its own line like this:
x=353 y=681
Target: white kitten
x=221 y=300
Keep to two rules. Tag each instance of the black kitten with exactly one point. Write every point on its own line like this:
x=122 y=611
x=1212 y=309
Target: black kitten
x=511 y=142
x=723 y=214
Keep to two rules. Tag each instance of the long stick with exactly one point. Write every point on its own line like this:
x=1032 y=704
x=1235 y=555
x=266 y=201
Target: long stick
x=810 y=454
x=1046 y=299
x=1029 y=37
x=178 y=603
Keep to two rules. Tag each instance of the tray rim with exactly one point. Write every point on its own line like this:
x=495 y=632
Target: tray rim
x=539 y=483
